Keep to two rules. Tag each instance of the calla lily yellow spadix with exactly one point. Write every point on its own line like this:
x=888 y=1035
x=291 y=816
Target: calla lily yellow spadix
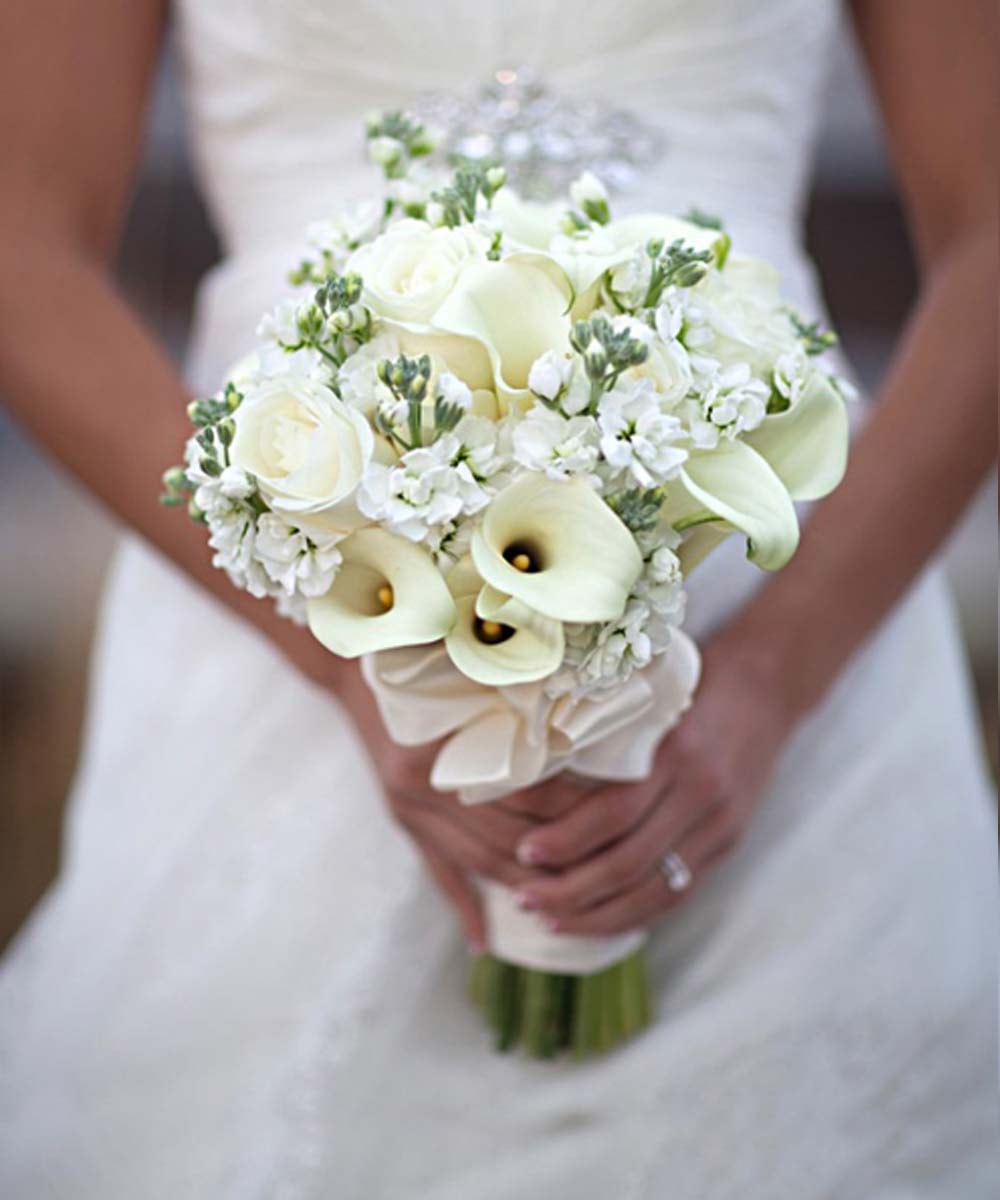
x=582 y=560
x=387 y=593
x=498 y=644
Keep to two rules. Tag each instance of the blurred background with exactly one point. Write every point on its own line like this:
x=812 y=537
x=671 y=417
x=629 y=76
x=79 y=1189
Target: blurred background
x=55 y=542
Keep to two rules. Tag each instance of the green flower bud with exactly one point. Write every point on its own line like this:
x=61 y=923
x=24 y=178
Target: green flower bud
x=580 y=336
x=595 y=361
x=175 y=480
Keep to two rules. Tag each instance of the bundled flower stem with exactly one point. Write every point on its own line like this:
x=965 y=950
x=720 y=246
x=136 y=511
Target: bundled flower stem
x=547 y=1013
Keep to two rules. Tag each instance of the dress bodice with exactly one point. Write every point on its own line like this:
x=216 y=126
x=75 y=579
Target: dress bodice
x=278 y=90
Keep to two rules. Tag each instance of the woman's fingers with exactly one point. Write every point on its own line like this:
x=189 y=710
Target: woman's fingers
x=465 y=848
x=593 y=822
x=619 y=867
x=459 y=892
x=651 y=897
x=502 y=831
x=549 y=800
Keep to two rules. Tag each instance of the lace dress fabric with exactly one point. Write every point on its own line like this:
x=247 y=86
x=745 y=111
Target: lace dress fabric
x=243 y=984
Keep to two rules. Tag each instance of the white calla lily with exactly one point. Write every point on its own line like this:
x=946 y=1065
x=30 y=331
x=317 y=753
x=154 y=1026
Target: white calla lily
x=556 y=546
x=516 y=310
x=806 y=446
x=507 y=643
x=387 y=593
x=734 y=487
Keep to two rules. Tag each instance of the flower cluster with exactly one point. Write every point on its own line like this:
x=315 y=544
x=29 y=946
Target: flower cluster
x=510 y=428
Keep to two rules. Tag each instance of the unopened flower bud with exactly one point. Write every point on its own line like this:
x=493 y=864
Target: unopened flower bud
x=385 y=151
x=175 y=479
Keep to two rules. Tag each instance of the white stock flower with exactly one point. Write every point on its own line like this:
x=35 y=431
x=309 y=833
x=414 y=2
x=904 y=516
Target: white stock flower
x=560 y=446
x=345 y=231
x=281 y=324
x=232 y=535
x=411 y=269
x=408 y=192
x=629 y=281
x=638 y=437
x=236 y=484
x=453 y=391
x=791 y=374
x=432 y=486
x=731 y=402
x=292 y=560
x=549 y=375
x=358 y=379
x=306 y=448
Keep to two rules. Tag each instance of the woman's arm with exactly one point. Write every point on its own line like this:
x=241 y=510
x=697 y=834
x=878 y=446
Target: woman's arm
x=79 y=369
x=926 y=449
x=934 y=432
x=77 y=366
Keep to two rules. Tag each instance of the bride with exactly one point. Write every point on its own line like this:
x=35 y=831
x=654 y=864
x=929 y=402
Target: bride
x=245 y=983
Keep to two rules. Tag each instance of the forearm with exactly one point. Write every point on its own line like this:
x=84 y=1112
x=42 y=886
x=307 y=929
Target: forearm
x=913 y=470
x=80 y=371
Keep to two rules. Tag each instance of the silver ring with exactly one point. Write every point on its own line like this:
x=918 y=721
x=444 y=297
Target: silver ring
x=675 y=871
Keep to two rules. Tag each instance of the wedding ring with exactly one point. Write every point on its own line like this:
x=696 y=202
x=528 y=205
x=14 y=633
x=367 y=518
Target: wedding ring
x=675 y=871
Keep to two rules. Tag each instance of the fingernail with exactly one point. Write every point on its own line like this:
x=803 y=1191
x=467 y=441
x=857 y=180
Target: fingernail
x=528 y=853
x=527 y=901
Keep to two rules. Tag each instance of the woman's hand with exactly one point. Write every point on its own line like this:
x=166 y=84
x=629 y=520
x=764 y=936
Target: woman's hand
x=456 y=840
x=604 y=854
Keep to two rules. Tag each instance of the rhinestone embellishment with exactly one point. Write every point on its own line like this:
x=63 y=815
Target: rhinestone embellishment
x=543 y=140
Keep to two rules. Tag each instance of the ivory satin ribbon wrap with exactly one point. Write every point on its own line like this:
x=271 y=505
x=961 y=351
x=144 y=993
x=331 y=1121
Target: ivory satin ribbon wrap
x=500 y=740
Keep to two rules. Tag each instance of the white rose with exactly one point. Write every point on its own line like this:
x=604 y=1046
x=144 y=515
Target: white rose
x=412 y=268
x=306 y=448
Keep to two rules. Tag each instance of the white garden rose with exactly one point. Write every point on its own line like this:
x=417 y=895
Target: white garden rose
x=410 y=270
x=305 y=447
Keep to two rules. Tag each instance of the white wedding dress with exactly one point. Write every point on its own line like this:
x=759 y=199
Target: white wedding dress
x=243 y=984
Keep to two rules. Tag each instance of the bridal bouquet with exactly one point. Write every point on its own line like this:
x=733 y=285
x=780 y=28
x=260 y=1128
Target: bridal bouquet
x=481 y=445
